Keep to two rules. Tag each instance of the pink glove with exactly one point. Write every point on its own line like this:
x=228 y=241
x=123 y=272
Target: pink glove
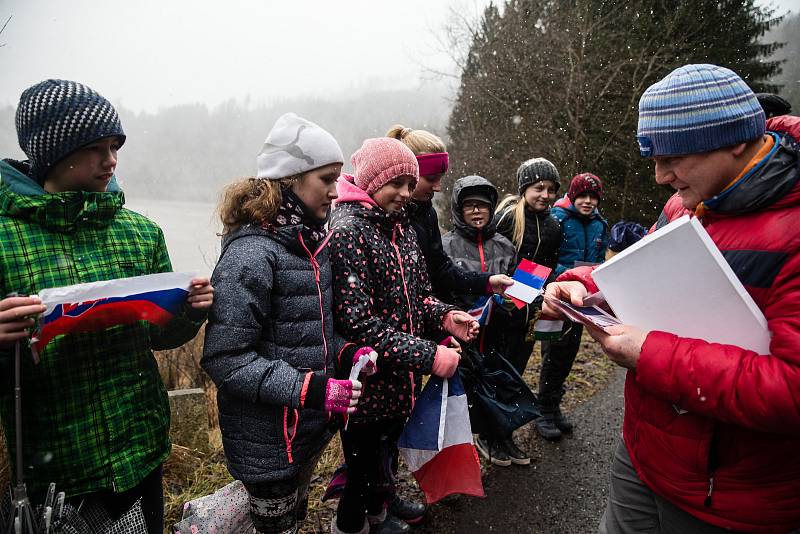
x=371 y=367
x=445 y=362
x=461 y=324
x=341 y=396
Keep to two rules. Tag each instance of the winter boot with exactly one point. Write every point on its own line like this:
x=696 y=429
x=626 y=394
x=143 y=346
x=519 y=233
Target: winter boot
x=335 y=528
x=409 y=511
x=515 y=454
x=561 y=421
x=493 y=451
x=546 y=426
x=386 y=523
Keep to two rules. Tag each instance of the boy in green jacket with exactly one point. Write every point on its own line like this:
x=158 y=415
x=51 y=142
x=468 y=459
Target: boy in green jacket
x=95 y=411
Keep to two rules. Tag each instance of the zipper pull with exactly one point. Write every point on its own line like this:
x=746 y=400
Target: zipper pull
x=707 y=501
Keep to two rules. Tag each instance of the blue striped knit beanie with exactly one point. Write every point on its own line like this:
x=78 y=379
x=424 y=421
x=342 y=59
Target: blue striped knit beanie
x=697 y=108
x=57 y=117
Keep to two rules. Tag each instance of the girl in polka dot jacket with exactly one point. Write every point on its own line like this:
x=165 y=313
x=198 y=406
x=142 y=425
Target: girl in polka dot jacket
x=382 y=294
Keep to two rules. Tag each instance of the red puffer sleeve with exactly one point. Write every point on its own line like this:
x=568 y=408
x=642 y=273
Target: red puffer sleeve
x=725 y=382
x=582 y=275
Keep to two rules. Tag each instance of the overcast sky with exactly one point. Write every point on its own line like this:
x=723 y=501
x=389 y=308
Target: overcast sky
x=151 y=53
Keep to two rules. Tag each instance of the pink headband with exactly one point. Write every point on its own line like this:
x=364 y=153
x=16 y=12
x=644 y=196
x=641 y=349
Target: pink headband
x=435 y=163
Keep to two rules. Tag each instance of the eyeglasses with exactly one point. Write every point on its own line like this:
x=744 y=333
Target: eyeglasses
x=476 y=206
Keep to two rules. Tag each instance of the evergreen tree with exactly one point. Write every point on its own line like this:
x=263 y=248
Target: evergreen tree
x=561 y=79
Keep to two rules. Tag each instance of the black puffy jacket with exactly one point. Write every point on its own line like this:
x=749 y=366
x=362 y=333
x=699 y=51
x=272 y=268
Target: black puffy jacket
x=541 y=238
x=445 y=276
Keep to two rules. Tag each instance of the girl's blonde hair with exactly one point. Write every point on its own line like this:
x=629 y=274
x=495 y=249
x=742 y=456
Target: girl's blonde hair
x=505 y=209
x=251 y=201
x=419 y=141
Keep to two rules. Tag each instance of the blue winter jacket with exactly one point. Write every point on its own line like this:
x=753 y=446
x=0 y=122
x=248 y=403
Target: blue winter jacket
x=582 y=238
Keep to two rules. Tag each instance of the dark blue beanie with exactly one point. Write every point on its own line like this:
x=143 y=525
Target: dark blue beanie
x=697 y=108
x=57 y=117
x=625 y=234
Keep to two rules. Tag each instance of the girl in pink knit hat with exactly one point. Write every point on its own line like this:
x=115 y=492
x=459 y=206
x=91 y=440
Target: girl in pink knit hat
x=382 y=293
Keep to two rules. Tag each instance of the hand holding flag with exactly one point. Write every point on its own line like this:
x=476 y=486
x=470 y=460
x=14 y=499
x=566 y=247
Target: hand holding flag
x=529 y=280
x=154 y=298
x=16 y=318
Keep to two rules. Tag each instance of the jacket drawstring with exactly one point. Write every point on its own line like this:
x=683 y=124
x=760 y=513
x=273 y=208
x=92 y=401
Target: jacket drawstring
x=707 y=501
x=288 y=437
x=397 y=228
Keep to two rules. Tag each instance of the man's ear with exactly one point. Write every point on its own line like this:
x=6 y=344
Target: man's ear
x=738 y=150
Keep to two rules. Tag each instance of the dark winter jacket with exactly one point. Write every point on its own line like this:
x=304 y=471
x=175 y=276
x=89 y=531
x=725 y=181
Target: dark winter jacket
x=445 y=276
x=541 y=238
x=712 y=428
x=382 y=294
x=475 y=250
x=269 y=325
x=582 y=238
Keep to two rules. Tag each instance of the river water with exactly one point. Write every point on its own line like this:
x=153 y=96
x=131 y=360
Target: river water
x=190 y=229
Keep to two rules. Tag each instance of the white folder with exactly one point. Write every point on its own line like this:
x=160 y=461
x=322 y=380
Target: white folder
x=676 y=280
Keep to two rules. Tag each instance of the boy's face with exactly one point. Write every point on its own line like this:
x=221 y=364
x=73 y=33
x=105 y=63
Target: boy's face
x=585 y=204
x=476 y=213
x=699 y=177
x=89 y=168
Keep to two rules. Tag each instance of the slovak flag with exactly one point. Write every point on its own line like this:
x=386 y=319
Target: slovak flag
x=436 y=443
x=529 y=280
x=154 y=298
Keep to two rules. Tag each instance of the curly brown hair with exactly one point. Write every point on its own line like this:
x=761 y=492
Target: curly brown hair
x=251 y=201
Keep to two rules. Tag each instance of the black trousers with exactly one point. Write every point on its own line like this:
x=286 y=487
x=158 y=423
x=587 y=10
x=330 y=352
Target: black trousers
x=150 y=490
x=509 y=335
x=369 y=450
x=557 y=359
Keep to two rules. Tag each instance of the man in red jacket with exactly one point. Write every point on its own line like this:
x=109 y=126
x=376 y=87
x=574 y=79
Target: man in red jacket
x=712 y=432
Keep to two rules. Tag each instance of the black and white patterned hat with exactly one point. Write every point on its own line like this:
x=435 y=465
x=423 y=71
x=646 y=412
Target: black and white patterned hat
x=56 y=117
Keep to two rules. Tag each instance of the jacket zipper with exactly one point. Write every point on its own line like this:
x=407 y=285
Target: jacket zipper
x=316 y=269
x=480 y=252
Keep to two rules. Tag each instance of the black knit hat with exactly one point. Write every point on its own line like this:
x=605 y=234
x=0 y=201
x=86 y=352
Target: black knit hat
x=537 y=170
x=56 y=117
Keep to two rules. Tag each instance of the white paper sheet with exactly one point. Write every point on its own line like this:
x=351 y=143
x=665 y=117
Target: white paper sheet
x=676 y=280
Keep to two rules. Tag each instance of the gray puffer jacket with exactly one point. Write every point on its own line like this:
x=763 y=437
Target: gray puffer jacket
x=269 y=325
x=474 y=250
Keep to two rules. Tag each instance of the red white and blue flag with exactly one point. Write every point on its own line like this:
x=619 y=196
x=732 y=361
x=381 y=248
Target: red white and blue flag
x=154 y=298
x=482 y=309
x=436 y=443
x=529 y=280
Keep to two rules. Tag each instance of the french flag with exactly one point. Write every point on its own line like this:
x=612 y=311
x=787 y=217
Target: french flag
x=529 y=280
x=436 y=443
x=154 y=298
